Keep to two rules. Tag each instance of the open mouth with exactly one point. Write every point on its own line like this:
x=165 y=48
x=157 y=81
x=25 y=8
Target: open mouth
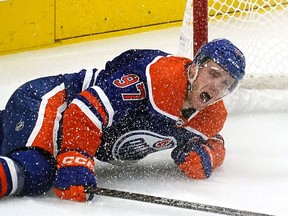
x=205 y=97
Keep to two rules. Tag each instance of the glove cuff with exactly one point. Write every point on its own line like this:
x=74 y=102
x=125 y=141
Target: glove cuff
x=75 y=193
x=217 y=151
x=75 y=158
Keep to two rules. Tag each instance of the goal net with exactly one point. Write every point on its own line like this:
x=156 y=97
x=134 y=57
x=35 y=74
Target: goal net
x=260 y=29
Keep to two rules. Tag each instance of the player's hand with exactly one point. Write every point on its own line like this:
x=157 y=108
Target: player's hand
x=75 y=173
x=194 y=158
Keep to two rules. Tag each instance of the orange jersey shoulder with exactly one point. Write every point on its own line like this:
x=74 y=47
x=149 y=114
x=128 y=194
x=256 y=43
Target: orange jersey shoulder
x=168 y=83
x=210 y=120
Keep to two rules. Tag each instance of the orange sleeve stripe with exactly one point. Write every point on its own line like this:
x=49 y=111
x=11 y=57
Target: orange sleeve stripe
x=4 y=184
x=45 y=137
x=97 y=105
x=79 y=132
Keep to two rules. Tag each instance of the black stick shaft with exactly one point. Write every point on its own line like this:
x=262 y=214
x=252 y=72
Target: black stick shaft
x=172 y=202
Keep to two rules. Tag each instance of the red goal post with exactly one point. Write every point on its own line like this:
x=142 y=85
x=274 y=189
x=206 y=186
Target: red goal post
x=200 y=24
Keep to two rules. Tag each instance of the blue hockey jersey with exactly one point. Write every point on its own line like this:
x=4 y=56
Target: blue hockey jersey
x=119 y=114
x=134 y=109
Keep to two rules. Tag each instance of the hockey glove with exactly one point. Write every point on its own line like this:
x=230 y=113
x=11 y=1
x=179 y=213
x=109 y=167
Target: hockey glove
x=74 y=175
x=198 y=158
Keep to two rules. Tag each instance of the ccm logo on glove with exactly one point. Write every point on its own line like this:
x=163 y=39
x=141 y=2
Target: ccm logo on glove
x=77 y=160
x=73 y=161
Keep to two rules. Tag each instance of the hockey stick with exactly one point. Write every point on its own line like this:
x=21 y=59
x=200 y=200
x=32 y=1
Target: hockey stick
x=172 y=202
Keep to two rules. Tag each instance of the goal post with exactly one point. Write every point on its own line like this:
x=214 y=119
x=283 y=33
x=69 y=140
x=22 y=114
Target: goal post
x=200 y=24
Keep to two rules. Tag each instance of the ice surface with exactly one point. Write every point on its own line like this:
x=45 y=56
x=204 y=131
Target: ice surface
x=254 y=176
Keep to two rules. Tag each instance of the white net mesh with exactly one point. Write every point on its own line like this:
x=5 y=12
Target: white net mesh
x=259 y=28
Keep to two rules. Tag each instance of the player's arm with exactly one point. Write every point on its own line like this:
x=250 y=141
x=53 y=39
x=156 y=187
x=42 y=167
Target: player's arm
x=83 y=122
x=91 y=112
x=199 y=157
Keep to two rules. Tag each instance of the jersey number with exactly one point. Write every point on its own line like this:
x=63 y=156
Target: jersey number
x=128 y=80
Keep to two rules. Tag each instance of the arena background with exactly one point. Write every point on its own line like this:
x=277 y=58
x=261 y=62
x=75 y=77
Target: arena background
x=34 y=24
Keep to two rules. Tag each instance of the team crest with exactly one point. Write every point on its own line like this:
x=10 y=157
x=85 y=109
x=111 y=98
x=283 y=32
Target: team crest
x=20 y=125
x=135 y=145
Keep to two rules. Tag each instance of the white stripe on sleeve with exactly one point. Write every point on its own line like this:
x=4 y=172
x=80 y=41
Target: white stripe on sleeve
x=41 y=112
x=88 y=113
x=106 y=103
x=87 y=79
x=13 y=173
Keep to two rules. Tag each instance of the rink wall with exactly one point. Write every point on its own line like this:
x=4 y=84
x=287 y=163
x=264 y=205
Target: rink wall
x=27 y=24
x=30 y=24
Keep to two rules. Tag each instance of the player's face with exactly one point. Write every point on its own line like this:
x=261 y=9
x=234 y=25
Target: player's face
x=211 y=84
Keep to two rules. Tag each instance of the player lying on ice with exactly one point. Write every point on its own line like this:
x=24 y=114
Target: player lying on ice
x=144 y=101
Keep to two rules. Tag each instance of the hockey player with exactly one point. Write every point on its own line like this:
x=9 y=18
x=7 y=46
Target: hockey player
x=144 y=101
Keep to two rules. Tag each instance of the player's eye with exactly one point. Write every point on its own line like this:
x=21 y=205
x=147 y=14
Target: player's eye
x=214 y=73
